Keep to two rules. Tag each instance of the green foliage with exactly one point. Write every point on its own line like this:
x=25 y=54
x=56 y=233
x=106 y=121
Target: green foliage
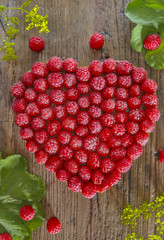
x=26 y=4
x=10 y=53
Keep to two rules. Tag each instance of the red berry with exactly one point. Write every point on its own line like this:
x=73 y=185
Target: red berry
x=18 y=89
x=93 y=160
x=36 y=44
x=72 y=94
x=124 y=68
x=75 y=142
x=111 y=79
x=161 y=156
x=95 y=98
x=132 y=127
x=64 y=137
x=97 y=177
x=43 y=100
x=55 y=80
x=118 y=153
x=124 y=164
x=83 y=102
x=90 y=142
x=5 y=236
x=95 y=127
x=60 y=112
x=40 y=69
x=147 y=126
x=51 y=146
x=65 y=153
x=32 y=146
x=40 y=85
x=109 y=92
x=41 y=136
x=105 y=185
x=125 y=81
x=141 y=138
x=127 y=140
x=153 y=114
x=47 y=113
x=72 y=165
x=22 y=119
x=53 y=164
x=149 y=100
x=121 y=117
x=121 y=106
x=85 y=173
x=134 y=151
x=136 y=115
x=121 y=93
x=149 y=86
x=83 y=74
x=114 y=142
x=89 y=190
x=55 y=64
x=70 y=65
x=57 y=96
x=113 y=177
x=69 y=80
x=103 y=149
x=139 y=75
x=33 y=109
x=38 y=123
x=30 y=95
x=134 y=102
x=53 y=225
x=69 y=123
x=83 y=88
x=28 y=79
x=95 y=112
x=83 y=118
x=105 y=134
x=96 y=68
x=81 y=156
x=53 y=127
x=81 y=131
x=109 y=65
x=26 y=133
x=27 y=213
x=19 y=105
x=63 y=175
x=98 y=83
x=107 y=165
x=96 y=41
x=107 y=120
x=41 y=157
x=119 y=129
x=152 y=42
x=75 y=184
x=135 y=90
x=108 y=105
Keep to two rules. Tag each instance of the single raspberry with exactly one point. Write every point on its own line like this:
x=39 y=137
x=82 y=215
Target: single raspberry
x=30 y=95
x=43 y=100
x=147 y=126
x=81 y=156
x=40 y=85
x=109 y=92
x=47 y=113
x=5 y=236
x=72 y=165
x=149 y=100
x=132 y=127
x=40 y=69
x=152 y=42
x=51 y=146
x=124 y=81
x=141 y=138
x=75 y=184
x=26 y=133
x=69 y=123
x=83 y=118
x=97 y=177
x=121 y=93
x=139 y=75
x=127 y=140
x=136 y=115
x=55 y=80
x=93 y=160
x=95 y=112
x=108 y=105
x=121 y=117
x=41 y=157
x=41 y=136
x=63 y=175
x=107 y=165
x=57 y=96
x=135 y=90
x=53 y=127
x=153 y=114
x=134 y=102
x=72 y=94
x=60 y=112
x=95 y=98
x=27 y=213
x=69 y=80
x=119 y=129
x=22 y=119
x=70 y=65
x=105 y=134
x=89 y=190
x=18 y=89
x=124 y=164
x=76 y=142
x=121 y=106
x=19 y=105
x=36 y=44
x=161 y=156
x=28 y=79
x=98 y=83
x=83 y=88
x=95 y=127
x=109 y=65
x=104 y=186
x=118 y=153
x=96 y=68
x=83 y=102
x=149 y=86
x=96 y=41
x=114 y=142
x=134 y=151
x=114 y=177
x=55 y=64
x=111 y=79
x=65 y=153
x=90 y=142
x=103 y=149
x=83 y=74
x=53 y=164
x=64 y=137
x=85 y=173
x=32 y=146
x=107 y=120
x=124 y=68
x=81 y=131
x=53 y=225
x=38 y=123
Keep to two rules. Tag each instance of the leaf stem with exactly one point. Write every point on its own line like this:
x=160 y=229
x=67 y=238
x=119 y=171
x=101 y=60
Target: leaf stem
x=13 y=8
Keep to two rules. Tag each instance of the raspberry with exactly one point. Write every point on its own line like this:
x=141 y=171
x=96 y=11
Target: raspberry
x=72 y=166
x=134 y=102
x=121 y=117
x=139 y=75
x=32 y=146
x=108 y=105
x=96 y=68
x=109 y=65
x=105 y=185
x=161 y=156
x=109 y=92
x=65 y=153
x=147 y=126
x=22 y=119
x=70 y=65
x=98 y=83
x=28 y=79
x=90 y=142
x=119 y=129
x=43 y=100
x=105 y=134
x=40 y=69
x=55 y=80
x=152 y=42
x=53 y=128
x=18 y=89
x=107 y=120
x=89 y=190
x=132 y=127
x=134 y=151
x=69 y=80
x=75 y=184
x=121 y=106
x=103 y=149
x=60 y=112
x=124 y=68
x=72 y=94
x=26 y=133
x=83 y=102
x=141 y=138
x=153 y=114
x=95 y=127
x=30 y=95
x=114 y=177
x=114 y=142
x=96 y=41
x=69 y=123
x=19 y=105
x=53 y=164
x=63 y=175
x=53 y=225
x=41 y=157
x=83 y=88
x=149 y=100
x=135 y=90
x=83 y=74
x=127 y=140
x=136 y=115
x=5 y=236
x=124 y=81
x=81 y=131
x=149 y=86
x=38 y=123
x=95 y=112
x=64 y=137
x=111 y=79
x=85 y=173
x=118 y=153
x=124 y=165
x=27 y=213
x=121 y=93
x=51 y=146
x=36 y=44
x=41 y=136
x=81 y=156
x=93 y=160
x=75 y=142
x=47 y=113
x=83 y=118
x=97 y=177
x=57 y=96
x=55 y=64
x=40 y=85
x=95 y=98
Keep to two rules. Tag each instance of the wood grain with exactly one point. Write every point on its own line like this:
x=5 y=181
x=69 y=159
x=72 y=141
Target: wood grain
x=71 y=23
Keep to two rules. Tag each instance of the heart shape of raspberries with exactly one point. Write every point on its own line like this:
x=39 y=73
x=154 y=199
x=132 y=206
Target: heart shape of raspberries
x=86 y=124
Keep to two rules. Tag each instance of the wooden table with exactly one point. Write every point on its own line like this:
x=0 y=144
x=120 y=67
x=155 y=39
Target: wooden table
x=71 y=23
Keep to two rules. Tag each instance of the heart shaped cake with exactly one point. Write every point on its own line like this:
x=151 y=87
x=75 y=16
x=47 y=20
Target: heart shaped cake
x=86 y=124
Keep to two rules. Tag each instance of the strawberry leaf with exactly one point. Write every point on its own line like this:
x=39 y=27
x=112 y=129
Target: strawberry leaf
x=156 y=4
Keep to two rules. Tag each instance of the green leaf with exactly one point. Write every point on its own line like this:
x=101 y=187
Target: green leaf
x=2 y=8
x=19 y=188
x=156 y=4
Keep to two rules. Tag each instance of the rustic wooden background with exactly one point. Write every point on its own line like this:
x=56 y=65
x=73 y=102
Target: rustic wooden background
x=71 y=23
